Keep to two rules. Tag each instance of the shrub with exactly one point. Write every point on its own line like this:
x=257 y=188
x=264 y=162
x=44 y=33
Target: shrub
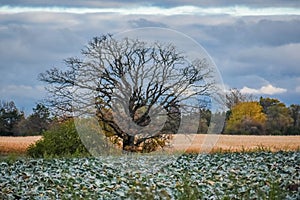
x=293 y=130
x=59 y=141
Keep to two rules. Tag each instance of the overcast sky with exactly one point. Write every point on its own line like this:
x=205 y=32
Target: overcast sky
x=255 y=44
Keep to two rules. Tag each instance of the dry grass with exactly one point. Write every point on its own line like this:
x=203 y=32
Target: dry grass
x=238 y=143
x=16 y=144
x=191 y=144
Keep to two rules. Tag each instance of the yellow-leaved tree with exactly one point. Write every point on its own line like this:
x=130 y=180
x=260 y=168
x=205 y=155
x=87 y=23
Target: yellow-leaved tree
x=246 y=118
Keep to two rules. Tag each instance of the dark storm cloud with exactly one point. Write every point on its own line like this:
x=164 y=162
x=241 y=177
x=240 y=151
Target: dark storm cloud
x=265 y=41
x=28 y=48
x=263 y=32
x=31 y=44
x=281 y=60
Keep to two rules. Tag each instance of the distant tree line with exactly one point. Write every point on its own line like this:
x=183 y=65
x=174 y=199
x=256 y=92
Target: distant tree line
x=266 y=116
x=13 y=121
x=245 y=116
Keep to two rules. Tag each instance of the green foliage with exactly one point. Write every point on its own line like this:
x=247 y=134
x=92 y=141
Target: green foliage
x=60 y=140
x=10 y=158
x=276 y=192
x=294 y=110
x=187 y=189
x=278 y=119
x=36 y=123
x=184 y=189
x=139 y=190
x=257 y=175
x=14 y=123
x=273 y=117
x=295 y=114
x=268 y=102
x=10 y=116
x=292 y=130
x=278 y=116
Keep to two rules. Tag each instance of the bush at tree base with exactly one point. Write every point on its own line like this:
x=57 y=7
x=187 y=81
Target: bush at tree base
x=60 y=140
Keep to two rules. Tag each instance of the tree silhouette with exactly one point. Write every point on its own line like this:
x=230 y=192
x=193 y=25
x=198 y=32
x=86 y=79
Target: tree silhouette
x=137 y=90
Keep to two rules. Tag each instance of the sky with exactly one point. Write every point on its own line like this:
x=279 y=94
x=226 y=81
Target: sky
x=255 y=44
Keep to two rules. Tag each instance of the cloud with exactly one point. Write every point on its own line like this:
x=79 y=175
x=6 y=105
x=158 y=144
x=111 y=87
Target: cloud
x=268 y=89
x=272 y=63
x=249 y=51
x=247 y=31
x=283 y=55
x=24 y=91
x=153 y=10
x=298 y=89
x=254 y=53
x=142 y=22
x=159 y=3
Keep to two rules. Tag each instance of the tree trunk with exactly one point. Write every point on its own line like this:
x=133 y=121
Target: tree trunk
x=128 y=143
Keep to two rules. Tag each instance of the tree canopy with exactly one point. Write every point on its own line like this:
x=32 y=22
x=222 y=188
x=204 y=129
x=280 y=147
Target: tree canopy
x=13 y=122
x=35 y=123
x=278 y=116
x=246 y=118
x=137 y=89
x=10 y=116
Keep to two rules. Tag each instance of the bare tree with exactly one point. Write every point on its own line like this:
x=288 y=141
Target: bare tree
x=234 y=96
x=138 y=91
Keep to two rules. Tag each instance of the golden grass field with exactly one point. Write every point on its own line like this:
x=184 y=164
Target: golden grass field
x=190 y=144
x=233 y=143
x=16 y=144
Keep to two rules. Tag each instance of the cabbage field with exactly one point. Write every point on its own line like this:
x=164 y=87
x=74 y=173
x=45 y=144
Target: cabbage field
x=256 y=175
